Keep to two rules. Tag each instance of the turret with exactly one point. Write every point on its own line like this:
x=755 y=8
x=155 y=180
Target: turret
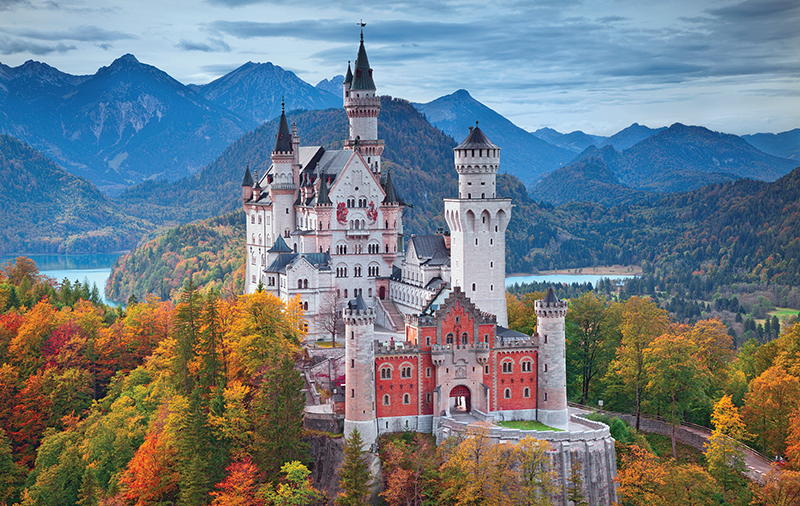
x=363 y=106
x=283 y=190
x=247 y=185
x=360 y=411
x=551 y=314
x=477 y=220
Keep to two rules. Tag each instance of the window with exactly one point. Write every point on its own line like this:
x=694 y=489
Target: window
x=526 y=366
x=259 y=219
x=508 y=367
x=545 y=367
x=386 y=400
x=352 y=392
x=253 y=219
x=405 y=372
x=473 y=287
x=486 y=369
x=305 y=306
x=545 y=396
x=427 y=372
x=486 y=338
x=427 y=341
x=464 y=339
x=352 y=363
x=507 y=393
x=428 y=398
x=545 y=339
x=449 y=339
x=406 y=399
x=299 y=283
x=386 y=373
x=526 y=392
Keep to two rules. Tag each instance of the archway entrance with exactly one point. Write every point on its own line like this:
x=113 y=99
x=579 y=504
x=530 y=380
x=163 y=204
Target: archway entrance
x=460 y=399
x=382 y=293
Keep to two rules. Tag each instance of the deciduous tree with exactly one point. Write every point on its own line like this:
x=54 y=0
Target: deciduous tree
x=772 y=397
x=724 y=455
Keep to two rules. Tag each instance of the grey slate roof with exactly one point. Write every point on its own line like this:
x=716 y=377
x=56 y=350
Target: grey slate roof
x=550 y=298
x=283 y=141
x=392 y=196
x=248 y=178
x=280 y=263
x=280 y=246
x=319 y=260
x=505 y=333
x=349 y=77
x=430 y=249
x=362 y=79
x=476 y=140
x=358 y=304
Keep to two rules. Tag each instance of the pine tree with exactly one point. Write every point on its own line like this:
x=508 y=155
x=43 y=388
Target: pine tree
x=575 y=488
x=354 y=476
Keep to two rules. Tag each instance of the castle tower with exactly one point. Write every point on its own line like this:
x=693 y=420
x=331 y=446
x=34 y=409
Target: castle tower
x=477 y=220
x=284 y=184
x=360 y=412
x=363 y=106
x=552 y=402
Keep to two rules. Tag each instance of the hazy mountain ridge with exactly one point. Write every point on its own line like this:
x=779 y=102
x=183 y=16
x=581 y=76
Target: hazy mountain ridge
x=522 y=154
x=783 y=144
x=48 y=210
x=575 y=141
x=255 y=91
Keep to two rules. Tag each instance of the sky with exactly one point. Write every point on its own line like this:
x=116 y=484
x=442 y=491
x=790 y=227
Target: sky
x=594 y=65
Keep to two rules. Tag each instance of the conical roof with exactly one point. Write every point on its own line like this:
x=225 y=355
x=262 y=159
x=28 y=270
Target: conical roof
x=358 y=304
x=283 y=141
x=348 y=79
x=323 y=198
x=477 y=140
x=550 y=298
x=362 y=80
x=248 y=178
x=280 y=246
x=392 y=196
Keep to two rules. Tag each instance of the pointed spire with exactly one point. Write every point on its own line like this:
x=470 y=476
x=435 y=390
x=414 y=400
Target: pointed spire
x=283 y=141
x=280 y=246
x=322 y=197
x=477 y=140
x=257 y=182
x=248 y=179
x=348 y=79
x=550 y=299
x=362 y=80
x=392 y=197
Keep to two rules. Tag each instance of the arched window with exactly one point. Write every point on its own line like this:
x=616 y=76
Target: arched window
x=508 y=366
x=526 y=366
x=507 y=393
x=305 y=283
x=449 y=339
x=464 y=339
x=386 y=401
x=526 y=392
x=406 y=399
x=386 y=373
x=299 y=283
x=305 y=306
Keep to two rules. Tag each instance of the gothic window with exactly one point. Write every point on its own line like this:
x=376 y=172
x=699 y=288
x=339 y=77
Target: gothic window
x=526 y=366
x=507 y=393
x=464 y=339
x=299 y=283
x=386 y=401
x=305 y=306
x=405 y=372
x=386 y=373
x=357 y=271
x=526 y=392
x=305 y=283
x=449 y=339
x=508 y=366
x=406 y=399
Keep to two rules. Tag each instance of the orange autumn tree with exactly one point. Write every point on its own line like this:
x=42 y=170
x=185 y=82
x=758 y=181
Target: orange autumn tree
x=240 y=487
x=724 y=455
x=771 y=398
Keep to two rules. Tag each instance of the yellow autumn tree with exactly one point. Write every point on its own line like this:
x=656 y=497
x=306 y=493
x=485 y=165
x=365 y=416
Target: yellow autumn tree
x=724 y=454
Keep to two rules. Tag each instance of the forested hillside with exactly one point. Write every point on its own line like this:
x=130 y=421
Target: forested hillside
x=210 y=253
x=47 y=210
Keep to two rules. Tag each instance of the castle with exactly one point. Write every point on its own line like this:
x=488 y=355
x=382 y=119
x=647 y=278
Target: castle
x=326 y=226
x=427 y=346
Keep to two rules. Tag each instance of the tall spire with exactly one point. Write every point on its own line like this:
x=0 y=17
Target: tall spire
x=349 y=77
x=283 y=141
x=248 y=178
x=362 y=79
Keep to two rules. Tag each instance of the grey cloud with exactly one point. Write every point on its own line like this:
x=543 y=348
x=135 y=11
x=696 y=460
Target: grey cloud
x=7 y=5
x=754 y=9
x=212 y=46
x=220 y=68
x=612 y=19
x=78 y=33
x=16 y=46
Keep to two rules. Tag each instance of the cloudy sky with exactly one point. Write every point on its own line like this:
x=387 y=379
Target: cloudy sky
x=594 y=65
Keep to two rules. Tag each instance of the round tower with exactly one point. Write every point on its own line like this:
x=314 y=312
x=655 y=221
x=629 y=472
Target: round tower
x=360 y=412
x=551 y=314
x=283 y=190
x=477 y=220
x=363 y=106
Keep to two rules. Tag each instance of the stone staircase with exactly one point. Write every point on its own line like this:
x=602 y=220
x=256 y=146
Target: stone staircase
x=393 y=315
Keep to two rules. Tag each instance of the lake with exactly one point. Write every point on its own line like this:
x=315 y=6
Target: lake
x=94 y=268
x=565 y=278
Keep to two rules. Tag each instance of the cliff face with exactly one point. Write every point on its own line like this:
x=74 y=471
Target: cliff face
x=327 y=455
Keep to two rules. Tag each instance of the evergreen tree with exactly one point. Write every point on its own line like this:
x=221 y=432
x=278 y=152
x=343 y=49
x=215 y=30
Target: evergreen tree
x=354 y=476
x=188 y=316
x=278 y=417
x=575 y=487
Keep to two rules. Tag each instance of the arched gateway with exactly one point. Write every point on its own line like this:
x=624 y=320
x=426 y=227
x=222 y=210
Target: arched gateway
x=462 y=401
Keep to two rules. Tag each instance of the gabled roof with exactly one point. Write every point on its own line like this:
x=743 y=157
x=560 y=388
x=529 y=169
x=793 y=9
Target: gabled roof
x=280 y=263
x=362 y=79
x=476 y=140
x=280 y=246
x=248 y=178
x=283 y=141
x=429 y=248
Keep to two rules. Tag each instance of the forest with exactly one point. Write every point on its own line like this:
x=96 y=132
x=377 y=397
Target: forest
x=200 y=401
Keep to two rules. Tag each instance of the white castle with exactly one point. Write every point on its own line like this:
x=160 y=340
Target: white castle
x=425 y=325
